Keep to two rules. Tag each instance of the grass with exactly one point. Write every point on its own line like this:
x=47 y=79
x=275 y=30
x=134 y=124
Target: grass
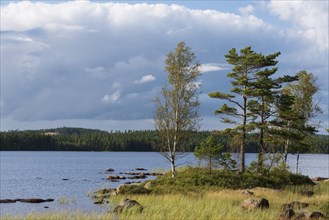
x=195 y=194
x=220 y=204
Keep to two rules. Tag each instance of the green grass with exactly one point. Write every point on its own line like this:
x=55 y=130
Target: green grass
x=221 y=204
x=196 y=194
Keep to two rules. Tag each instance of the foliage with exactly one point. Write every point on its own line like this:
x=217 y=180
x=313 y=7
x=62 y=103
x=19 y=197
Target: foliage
x=176 y=113
x=210 y=151
x=250 y=72
x=196 y=179
x=80 y=139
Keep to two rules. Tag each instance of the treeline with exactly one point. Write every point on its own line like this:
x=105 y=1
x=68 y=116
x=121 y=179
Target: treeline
x=80 y=139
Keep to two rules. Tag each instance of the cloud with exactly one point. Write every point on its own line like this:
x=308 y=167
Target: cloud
x=210 y=67
x=245 y=11
x=84 y=60
x=111 y=98
x=310 y=19
x=145 y=79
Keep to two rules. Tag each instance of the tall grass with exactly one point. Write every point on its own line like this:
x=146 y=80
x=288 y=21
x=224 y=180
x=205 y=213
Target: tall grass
x=221 y=204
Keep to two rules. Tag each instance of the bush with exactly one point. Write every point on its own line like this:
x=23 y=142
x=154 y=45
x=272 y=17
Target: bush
x=196 y=179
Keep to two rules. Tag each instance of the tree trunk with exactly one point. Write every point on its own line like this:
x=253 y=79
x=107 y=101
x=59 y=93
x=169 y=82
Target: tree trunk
x=297 y=163
x=243 y=142
x=173 y=166
x=286 y=147
x=261 y=142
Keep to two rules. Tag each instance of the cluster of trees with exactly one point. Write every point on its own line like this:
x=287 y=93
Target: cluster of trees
x=81 y=139
x=277 y=110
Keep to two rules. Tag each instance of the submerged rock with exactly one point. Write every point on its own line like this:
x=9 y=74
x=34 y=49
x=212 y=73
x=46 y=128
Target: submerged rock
x=139 y=168
x=8 y=200
x=35 y=200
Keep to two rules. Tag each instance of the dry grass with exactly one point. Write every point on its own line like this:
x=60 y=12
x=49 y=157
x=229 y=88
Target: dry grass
x=222 y=204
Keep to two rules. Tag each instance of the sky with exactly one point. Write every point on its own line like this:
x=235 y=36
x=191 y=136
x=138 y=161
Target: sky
x=100 y=64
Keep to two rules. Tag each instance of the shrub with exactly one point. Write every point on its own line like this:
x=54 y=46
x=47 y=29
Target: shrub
x=196 y=179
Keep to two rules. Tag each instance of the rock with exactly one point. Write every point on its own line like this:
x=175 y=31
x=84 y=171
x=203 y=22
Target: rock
x=319 y=179
x=132 y=189
x=286 y=214
x=105 y=191
x=139 y=176
x=46 y=207
x=299 y=205
x=110 y=170
x=294 y=205
x=140 y=168
x=115 y=177
x=35 y=200
x=308 y=193
x=65 y=179
x=99 y=201
x=8 y=200
x=300 y=216
x=315 y=215
x=148 y=185
x=256 y=203
x=126 y=204
x=101 y=195
x=247 y=192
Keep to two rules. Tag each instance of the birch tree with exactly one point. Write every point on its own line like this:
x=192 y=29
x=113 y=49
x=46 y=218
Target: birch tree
x=176 y=108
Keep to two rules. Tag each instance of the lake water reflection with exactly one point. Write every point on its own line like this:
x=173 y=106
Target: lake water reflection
x=41 y=174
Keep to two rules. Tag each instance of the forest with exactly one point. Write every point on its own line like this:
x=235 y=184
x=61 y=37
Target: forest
x=81 y=139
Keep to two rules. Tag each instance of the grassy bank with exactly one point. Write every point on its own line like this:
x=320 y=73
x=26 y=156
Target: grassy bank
x=221 y=204
x=197 y=194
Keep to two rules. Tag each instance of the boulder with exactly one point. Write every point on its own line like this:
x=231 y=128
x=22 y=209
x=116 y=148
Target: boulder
x=127 y=204
x=256 y=203
x=110 y=170
x=294 y=205
x=139 y=168
x=315 y=215
x=101 y=196
x=8 y=200
x=132 y=189
x=286 y=214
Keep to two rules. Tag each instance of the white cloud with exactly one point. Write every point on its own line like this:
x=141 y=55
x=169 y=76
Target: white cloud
x=309 y=17
x=249 y=9
x=82 y=60
x=114 y=97
x=210 y=67
x=145 y=79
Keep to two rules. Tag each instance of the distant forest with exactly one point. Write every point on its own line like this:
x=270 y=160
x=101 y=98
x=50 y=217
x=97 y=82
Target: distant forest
x=80 y=139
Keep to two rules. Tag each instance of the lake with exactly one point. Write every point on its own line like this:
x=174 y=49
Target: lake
x=31 y=174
